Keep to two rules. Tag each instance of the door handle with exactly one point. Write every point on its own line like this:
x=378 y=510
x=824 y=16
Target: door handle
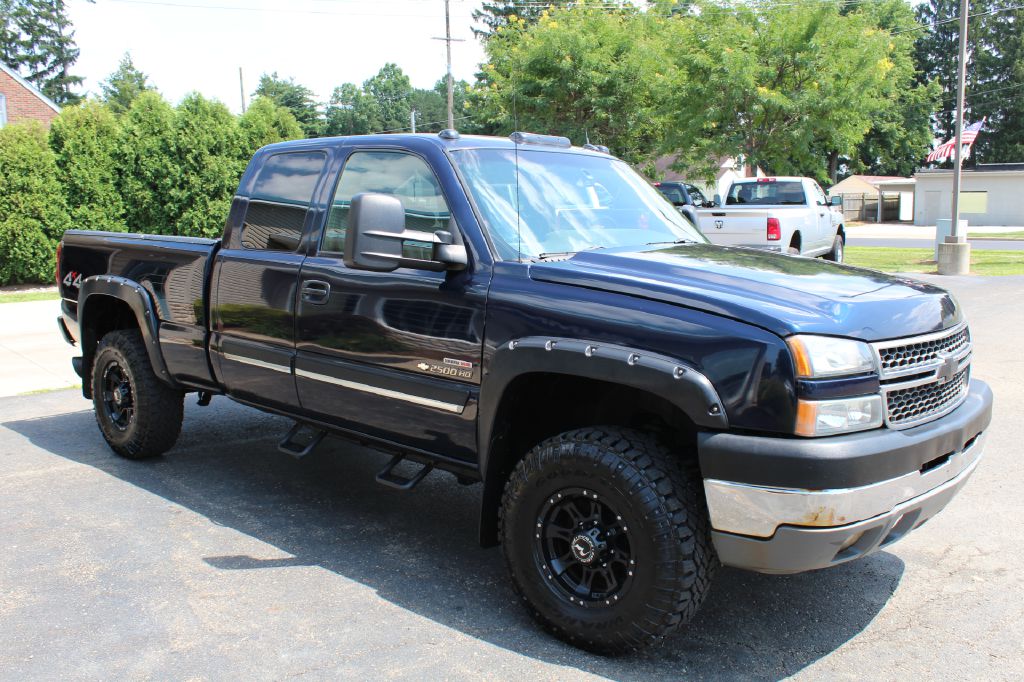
x=316 y=291
x=822 y=214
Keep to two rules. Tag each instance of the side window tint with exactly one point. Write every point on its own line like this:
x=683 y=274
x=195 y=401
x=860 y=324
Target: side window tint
x=280 y=199
x=404 y=176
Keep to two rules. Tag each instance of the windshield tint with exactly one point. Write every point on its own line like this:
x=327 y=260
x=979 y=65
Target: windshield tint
x=566 y=202
x=775 y=193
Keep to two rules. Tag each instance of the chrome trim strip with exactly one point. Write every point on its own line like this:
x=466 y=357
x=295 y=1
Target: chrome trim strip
x=387 y=393
x=258 y=363
x=758 y=511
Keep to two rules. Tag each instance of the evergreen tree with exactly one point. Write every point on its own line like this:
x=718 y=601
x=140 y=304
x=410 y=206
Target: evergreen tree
x=36 y=39
x=298 y=99
x=123 y=86
x=85 y=140
x=266 y=122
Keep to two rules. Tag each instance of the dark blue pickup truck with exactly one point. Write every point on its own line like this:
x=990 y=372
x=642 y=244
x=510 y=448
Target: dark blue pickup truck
x=638 y=405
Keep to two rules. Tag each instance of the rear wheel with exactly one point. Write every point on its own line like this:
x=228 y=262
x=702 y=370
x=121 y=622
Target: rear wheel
x=139 y=415
x=838 y=246
x=605 y=535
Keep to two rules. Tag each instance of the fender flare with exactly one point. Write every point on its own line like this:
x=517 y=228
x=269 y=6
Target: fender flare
x=678 y=382
x=141 y=303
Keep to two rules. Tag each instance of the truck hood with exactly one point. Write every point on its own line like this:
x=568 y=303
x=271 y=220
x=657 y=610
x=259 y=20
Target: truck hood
x=784 y=294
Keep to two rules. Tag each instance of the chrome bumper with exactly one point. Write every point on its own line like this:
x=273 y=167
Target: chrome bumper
x=814 y=529
x=757 y=511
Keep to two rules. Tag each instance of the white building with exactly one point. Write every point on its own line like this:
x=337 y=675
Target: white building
x=729 y=169
x=990 y=194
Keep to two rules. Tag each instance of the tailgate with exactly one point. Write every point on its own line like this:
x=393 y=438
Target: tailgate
x=735 y=226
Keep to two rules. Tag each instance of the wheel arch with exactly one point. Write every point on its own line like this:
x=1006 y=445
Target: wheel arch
x=539 y=387
x=107 y=303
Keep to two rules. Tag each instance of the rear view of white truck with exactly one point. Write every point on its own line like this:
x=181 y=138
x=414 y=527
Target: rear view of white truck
x=786 y=214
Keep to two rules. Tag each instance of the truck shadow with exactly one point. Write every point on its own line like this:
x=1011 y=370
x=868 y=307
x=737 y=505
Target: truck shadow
x=418 y=550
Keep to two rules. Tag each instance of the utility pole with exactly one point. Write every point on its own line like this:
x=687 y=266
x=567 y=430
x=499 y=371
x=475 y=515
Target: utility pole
x=241 y=88
x=412 y=120
x=954 y=255
x=449 y=40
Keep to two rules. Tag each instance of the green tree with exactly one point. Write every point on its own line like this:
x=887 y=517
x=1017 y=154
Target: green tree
x=497 y=15
x=85 y=141
x=296 y=98
x=779 y=84
x=584 y=72
x=124 y=85
x=431 y=109
x=352 y=111
x=209 y=158
x=33 y=215
x=998 y=89
x=265 y=122
x=146 y=163
x=37 y=40
x=391 y=89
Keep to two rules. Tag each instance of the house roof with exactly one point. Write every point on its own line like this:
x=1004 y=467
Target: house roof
x=28 y=86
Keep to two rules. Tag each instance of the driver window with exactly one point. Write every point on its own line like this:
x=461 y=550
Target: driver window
x=404 y=176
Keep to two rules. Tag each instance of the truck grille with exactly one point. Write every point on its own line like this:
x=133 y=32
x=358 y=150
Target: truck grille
x=924 y=377
x=907 y=356
x=917 y=404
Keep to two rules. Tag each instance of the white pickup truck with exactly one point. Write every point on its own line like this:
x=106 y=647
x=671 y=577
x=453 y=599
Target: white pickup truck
x=786 y=214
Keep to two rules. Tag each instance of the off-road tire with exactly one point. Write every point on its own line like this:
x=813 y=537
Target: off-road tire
x=657 y=493
x=838 y=249
x=157 y=409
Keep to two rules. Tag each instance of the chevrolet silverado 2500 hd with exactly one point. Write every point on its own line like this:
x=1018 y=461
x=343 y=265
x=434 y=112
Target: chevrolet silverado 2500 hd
x=785 y=214
x=638 y=405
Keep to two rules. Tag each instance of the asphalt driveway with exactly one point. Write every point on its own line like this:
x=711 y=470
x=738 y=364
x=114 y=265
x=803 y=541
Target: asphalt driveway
x=226 y=558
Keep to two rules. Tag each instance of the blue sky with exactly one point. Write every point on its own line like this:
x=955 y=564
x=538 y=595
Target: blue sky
x=185 y=45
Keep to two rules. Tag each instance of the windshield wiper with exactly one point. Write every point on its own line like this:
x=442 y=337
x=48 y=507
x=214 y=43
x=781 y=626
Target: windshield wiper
x=677 y=241
x=565 y=254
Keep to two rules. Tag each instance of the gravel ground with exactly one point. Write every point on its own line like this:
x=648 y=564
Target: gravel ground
x=226 y=558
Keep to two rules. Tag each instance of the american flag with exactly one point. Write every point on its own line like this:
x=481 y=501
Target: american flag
x=947 y=149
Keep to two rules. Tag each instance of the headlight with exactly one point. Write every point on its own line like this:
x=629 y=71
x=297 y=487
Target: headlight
x=828 y=417
x=816 y=357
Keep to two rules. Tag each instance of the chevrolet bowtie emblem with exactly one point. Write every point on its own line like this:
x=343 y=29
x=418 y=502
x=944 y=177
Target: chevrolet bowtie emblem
x=423 y=367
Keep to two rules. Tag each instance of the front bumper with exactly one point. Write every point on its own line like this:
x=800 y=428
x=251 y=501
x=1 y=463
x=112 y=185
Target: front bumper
x=787 y=529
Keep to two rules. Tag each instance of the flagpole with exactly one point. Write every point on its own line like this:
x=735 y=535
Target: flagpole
x=958 y=146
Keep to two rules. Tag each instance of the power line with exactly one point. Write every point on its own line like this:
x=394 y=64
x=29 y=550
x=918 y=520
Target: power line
x=432 y=123
x=278 y=10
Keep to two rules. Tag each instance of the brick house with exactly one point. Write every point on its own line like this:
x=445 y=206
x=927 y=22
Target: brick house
x=21 y=101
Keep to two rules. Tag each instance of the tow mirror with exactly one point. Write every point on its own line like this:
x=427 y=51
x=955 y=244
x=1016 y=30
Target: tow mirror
x=717 y=201
x=836 y=200
x=377 y=239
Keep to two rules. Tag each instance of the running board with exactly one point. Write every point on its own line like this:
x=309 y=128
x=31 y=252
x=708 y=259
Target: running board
x=301 y=440
x=389 y=477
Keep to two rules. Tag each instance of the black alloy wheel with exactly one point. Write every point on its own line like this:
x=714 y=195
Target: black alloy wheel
x=583 y=547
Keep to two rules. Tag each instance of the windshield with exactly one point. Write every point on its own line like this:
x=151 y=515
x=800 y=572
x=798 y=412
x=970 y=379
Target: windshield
x=566 y=202
x=765 y=192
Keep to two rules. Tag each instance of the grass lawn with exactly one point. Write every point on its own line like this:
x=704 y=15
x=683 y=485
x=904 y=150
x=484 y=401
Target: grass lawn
x=920 y=260
x=22 y=296
x=996 y=235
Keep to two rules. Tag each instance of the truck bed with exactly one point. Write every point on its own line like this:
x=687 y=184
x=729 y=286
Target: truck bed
x=173 y=270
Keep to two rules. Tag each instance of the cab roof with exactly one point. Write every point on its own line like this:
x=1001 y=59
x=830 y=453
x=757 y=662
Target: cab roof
x=415 y=140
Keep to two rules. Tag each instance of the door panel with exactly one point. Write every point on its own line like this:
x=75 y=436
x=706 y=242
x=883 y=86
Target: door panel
x=395 y=355
x=255 y=281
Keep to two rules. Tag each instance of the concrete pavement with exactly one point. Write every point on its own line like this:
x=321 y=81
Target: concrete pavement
x=33 y=354
x=227 y=559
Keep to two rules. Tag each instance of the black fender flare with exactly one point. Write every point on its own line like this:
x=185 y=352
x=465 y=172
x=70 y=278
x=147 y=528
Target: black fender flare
x=141 y=303
x=676 y=381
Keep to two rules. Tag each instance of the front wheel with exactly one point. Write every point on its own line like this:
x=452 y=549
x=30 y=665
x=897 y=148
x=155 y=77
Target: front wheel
x=606 y=538
x=139 y=415
x=838 y=246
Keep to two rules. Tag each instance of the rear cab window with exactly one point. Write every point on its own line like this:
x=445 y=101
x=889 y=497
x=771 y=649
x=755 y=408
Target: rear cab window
x=280 y=199
x=767 y=192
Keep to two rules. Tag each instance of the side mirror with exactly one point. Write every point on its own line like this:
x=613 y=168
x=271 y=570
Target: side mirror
x=376 y=239
x=836 y=200
x=717 y=201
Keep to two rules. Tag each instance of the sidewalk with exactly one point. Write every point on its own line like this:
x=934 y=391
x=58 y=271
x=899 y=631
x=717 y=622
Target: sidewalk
x=33 y=354
x=904 y=231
